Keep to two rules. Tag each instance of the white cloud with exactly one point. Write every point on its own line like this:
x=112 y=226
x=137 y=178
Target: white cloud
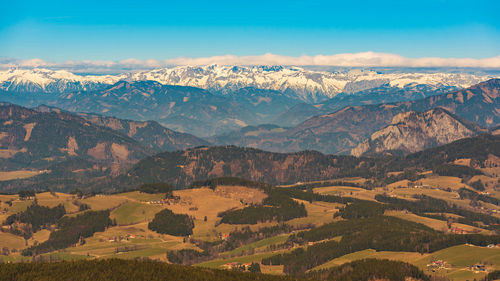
x=365 y=59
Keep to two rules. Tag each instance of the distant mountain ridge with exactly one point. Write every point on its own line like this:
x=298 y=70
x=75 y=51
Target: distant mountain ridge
x=295 y=82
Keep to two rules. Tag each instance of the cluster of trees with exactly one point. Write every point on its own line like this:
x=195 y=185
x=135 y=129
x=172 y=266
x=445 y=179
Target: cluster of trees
x=124 y=270
x=330 y=183
x=166 y=222
x=23 y=194
x=214 y=182
x=494 y=275
x=276 y=207
x=452 y=170
x=371 y=269
x=236 y=238
x=71 y=231
x=426 y=204
x=381 y=233
x=310 y=196
x=477 y=185
x=159 y=187
x=37 y=216
x=361 y=209
x=187 y=256
x=472 y=195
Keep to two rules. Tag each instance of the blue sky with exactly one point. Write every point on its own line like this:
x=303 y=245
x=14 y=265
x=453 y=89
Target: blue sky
x=117 y=30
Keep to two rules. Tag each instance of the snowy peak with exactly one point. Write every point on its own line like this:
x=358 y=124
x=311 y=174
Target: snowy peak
x=296 y=82
x=45 y=80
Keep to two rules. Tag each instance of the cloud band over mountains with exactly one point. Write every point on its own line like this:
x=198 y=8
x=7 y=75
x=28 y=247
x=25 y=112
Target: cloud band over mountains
x=364 y=59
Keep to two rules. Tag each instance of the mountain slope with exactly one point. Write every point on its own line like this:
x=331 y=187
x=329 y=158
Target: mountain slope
x=184 y=109
x=181 y=168
x=411 y=132
x=148 y=133
x=341 y=131
x=379 y=95
x=29 y=138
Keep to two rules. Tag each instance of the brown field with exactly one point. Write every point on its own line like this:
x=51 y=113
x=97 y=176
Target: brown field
x=318 y=213
x=399 y=184
x=442 y=182
x=489 y=182
x=8 y=153
x=20 y=174
x=348 y=191
x=202 y=202
x=149 y=244
x=103 y=202
x=400 y=256
x=11 y=241
x=357 y=180
x=52 y=200
x=432 y=223
x=39 y=236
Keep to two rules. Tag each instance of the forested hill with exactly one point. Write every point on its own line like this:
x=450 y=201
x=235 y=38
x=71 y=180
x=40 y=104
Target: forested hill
x=149 y=133
x=181 y=168
x=29 y=138
x=118 y=270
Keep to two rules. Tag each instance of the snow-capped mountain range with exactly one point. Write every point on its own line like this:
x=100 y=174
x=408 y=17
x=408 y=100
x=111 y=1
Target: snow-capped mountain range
x=304 y=84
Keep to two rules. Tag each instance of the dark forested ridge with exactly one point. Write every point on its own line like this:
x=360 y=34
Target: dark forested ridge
x=182 y=168
x=371 y=269
x=118 y=270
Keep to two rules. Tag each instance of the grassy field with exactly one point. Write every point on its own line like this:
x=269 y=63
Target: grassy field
x=52 y=200
x=135 y=212
x=140 y=196
x=458 y=258
x=245 y=259
x=432 y=223
x=348 y=191
x=401 y=256
x=318 y=213
x=104 y=202
x=258 y=245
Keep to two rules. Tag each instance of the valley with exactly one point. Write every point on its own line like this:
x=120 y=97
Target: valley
x=405 y=186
